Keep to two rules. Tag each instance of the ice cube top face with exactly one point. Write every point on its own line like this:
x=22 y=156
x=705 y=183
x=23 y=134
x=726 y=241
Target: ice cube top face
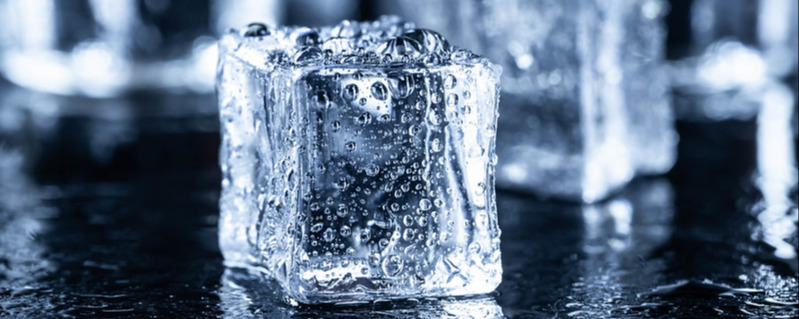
x=360 y=159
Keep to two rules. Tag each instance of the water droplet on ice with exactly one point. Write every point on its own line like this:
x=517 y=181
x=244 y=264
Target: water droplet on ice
x=305 y=37
x=379 y=91
x=342 y=210
x=401 y=86
x=350 y=92
x=450 y=81
x=392 y=265
x=430 y=41
x=425 y=204
x=256 y=30
x=308 y=55
x=365 y=118
x=329 y=235
x=400 y=46
x=372 y=169
x=452 y=100
x=435 y=145
x=345 y=232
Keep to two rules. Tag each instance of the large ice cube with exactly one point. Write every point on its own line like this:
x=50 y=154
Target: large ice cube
x=358 y=161
x=584 y=106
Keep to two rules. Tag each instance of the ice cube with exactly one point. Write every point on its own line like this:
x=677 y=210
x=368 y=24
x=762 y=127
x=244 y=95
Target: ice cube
x=358 y=161
x=584 y=106
x=758 y=37
x=104 y=48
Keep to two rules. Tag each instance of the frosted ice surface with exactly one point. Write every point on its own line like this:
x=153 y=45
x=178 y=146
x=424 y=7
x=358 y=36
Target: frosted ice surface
x=358 y=161
x=584 y=107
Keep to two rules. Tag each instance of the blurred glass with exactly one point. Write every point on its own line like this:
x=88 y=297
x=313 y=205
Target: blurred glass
x=103 y=48
x=584 y=106
x=738 y=47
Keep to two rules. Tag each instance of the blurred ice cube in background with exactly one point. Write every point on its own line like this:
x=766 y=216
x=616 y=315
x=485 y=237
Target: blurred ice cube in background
x=737 y=48
x=585 y=105
x=104 y=48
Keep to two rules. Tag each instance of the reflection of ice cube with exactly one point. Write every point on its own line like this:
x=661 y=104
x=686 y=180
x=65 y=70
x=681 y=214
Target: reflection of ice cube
x=362 y=172
x=245 y=296
x=584 y=104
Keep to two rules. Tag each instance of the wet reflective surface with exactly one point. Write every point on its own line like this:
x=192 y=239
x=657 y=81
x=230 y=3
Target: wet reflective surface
x=114 y=215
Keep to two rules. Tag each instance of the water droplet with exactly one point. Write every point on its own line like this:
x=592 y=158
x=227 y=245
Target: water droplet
x=474 y=248
x=345 y=232
x=392 y=265
x=401 y=86
x=407 y=221
x=395 y=207
x=342 y=210
x=256 y=30
x=321 y=99
x=317 y=227
x=422 y=221
x=414 y=129
x=350 y=146
x=365 y=235
x=429 y=41
x=305 y=37
x=452 y=100
x=408 y=233
x=463 y=56
x=329 y=235
x=435 y=145
x=399 y=46
x=338 y=45
x=314 y=206
x=335 y=126
x=450 y=81
x=308 y=55
x=433 y=118
x=350 y=92
x=365 y=118
x=341 y=183
x=425 y=204
x=372 y=169
x=379 y=91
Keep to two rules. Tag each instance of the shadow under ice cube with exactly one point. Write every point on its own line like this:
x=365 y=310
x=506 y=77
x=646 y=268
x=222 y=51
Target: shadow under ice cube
x=358 y=161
